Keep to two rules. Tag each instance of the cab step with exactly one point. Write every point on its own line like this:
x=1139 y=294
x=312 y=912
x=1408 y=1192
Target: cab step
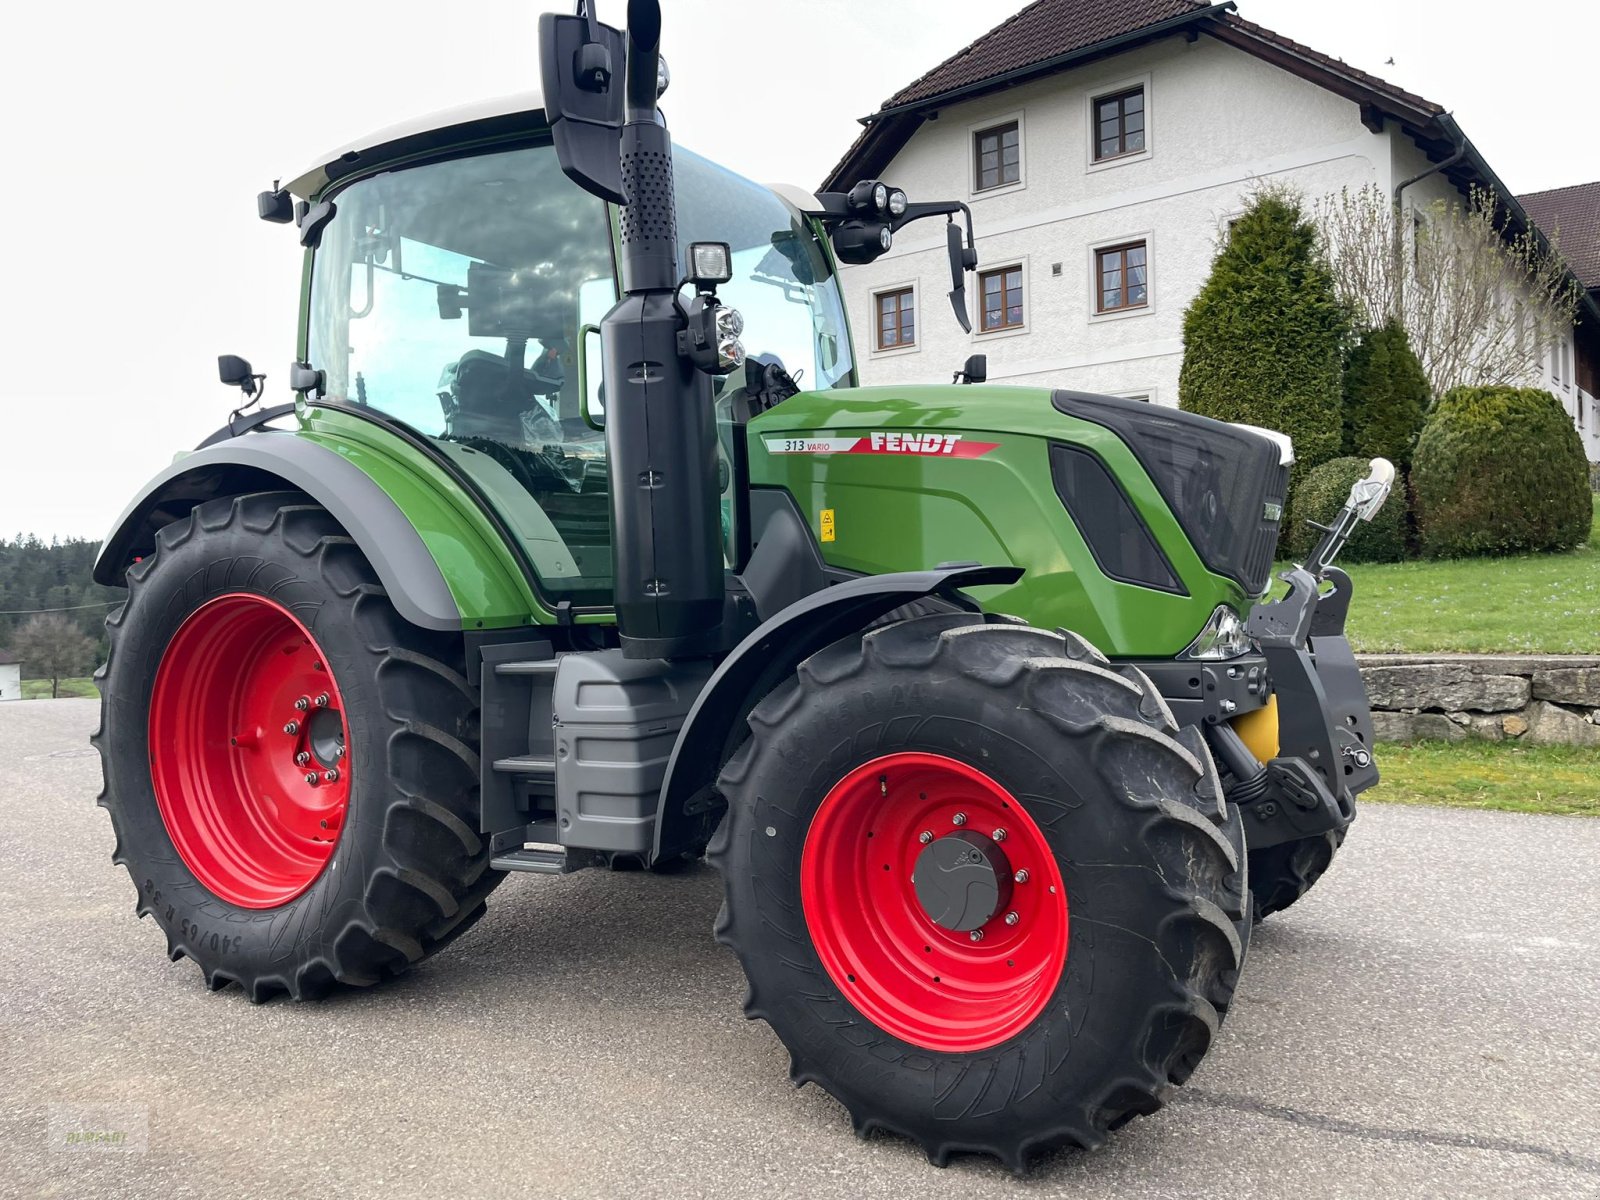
x=552 y=861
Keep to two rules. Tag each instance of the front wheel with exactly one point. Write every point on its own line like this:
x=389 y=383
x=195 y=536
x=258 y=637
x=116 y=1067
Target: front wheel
x=983 y=889
x=290 y=768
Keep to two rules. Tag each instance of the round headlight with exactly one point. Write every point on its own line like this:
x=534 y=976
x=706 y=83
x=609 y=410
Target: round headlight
x=897 y=203
x=880 y=197
x=663 y=76
x=730 y=322
x=730 y=352
x=885 y=238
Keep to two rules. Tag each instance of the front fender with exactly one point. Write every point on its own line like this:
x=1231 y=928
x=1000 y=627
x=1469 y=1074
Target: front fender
x=768 y=656
x=271 y=460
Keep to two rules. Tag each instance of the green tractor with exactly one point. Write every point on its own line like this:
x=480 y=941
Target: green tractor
x=974 y=695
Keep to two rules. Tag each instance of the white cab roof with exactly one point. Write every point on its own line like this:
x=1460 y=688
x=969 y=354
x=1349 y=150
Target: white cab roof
x=529 y=104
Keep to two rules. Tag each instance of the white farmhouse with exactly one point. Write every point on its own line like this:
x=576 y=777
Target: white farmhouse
x=10 y=676
x=1104 y=146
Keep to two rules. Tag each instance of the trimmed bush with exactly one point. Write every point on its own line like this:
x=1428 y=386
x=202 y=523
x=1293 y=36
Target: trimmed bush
x=1263 y=342
x=1500 y=470
x=1322 y=495
x=1385 y=397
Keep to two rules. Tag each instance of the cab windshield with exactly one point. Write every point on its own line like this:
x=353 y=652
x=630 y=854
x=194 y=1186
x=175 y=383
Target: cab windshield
x=454 y=296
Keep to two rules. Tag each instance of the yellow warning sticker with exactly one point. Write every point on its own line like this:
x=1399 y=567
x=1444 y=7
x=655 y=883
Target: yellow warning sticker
x=827 y=524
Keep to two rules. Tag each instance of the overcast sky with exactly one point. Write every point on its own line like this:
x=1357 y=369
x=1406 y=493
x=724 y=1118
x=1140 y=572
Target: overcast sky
x=136 y=135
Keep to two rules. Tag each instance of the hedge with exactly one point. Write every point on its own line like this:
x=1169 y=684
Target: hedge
x=1263 y=342
x=1500 y=470
x=1385 y=397
x=1322 y=495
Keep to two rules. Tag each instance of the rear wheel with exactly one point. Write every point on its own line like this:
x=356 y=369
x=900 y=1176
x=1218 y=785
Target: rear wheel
x=984 y=890
x=290 y=768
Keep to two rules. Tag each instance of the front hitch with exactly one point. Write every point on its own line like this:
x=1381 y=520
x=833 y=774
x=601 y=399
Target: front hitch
x=1324 y=722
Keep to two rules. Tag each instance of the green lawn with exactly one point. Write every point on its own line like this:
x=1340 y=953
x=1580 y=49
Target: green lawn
x=39 y=689
x=1491 y=775
x=1535 y=604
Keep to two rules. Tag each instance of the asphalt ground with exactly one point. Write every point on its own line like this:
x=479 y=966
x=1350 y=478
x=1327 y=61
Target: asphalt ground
x=1425 y=1023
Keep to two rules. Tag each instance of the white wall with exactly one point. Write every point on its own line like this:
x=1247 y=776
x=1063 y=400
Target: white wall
x=10 y=681
x=1219 y=122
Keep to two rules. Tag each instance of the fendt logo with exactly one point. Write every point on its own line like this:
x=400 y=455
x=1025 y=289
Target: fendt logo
x=951 y=445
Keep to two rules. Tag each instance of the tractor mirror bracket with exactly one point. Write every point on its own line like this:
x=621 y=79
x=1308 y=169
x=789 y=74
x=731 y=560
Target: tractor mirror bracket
x=580 y=64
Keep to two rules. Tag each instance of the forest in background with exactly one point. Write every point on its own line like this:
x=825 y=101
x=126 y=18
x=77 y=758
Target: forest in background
x=37 y=575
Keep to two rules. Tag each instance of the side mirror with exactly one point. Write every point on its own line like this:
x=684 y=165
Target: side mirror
x=276 y=206
x=237 y=372
x=975 y=370
x=581 y=65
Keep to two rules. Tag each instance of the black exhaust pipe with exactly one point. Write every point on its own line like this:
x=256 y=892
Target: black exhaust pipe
x=666 y=544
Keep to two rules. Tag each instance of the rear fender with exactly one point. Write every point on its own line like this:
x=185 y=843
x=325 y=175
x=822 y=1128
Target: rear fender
x=768 y=656
x=269 y=461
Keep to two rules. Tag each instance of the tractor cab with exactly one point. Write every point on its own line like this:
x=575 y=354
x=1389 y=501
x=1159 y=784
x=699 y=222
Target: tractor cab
x=460 y=293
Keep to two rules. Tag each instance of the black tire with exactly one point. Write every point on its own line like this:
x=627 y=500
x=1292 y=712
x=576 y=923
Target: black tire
x=409 y=873
x=1281 y=874
x=1152 y=858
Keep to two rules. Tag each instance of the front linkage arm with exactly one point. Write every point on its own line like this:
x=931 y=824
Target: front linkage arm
x=1325 y=723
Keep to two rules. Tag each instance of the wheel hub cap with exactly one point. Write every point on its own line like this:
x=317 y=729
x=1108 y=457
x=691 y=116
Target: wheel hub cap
x=962 y=880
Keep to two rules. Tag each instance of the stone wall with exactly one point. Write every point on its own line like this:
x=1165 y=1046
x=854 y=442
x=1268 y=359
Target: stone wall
x=1544 y=700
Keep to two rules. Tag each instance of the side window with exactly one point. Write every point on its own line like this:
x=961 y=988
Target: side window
x=997 y=156
x=451 y=296
x=1119 y=125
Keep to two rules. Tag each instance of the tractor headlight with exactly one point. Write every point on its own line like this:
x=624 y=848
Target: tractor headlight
x=1223 y=637
x=897 y=203
x=730 y=350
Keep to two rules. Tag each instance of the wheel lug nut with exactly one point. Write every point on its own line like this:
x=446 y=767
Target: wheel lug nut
x=330 y=777
x=976 y=935
x=292 y=728
x=311 y=778
x=302 y=704
x=321 y=701
x=339 y=753
x=999 y=835
x=301 y=759
x=1021 y=876
x=959 y=819
x=925 y=836
x=1012 y=918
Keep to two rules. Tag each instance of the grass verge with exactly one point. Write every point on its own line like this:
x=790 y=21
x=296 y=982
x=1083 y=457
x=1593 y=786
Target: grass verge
x=1498 y=776
x=71 y=688
x=1531 y=604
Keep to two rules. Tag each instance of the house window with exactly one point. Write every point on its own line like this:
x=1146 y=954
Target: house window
x=1555 y=362
x=1121 y=278
x=999 y=155
x=897 y=319
x=1002 y=299
x=1119 y=124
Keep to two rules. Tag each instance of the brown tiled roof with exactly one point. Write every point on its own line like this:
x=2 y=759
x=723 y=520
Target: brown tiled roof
x=1050 y=30
x=8 y=659
x=1328 y=62
x=1045 y=29
x=1572 y=216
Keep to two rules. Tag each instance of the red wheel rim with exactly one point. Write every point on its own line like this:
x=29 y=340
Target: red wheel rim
x=926 y=984
x=247 y=751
